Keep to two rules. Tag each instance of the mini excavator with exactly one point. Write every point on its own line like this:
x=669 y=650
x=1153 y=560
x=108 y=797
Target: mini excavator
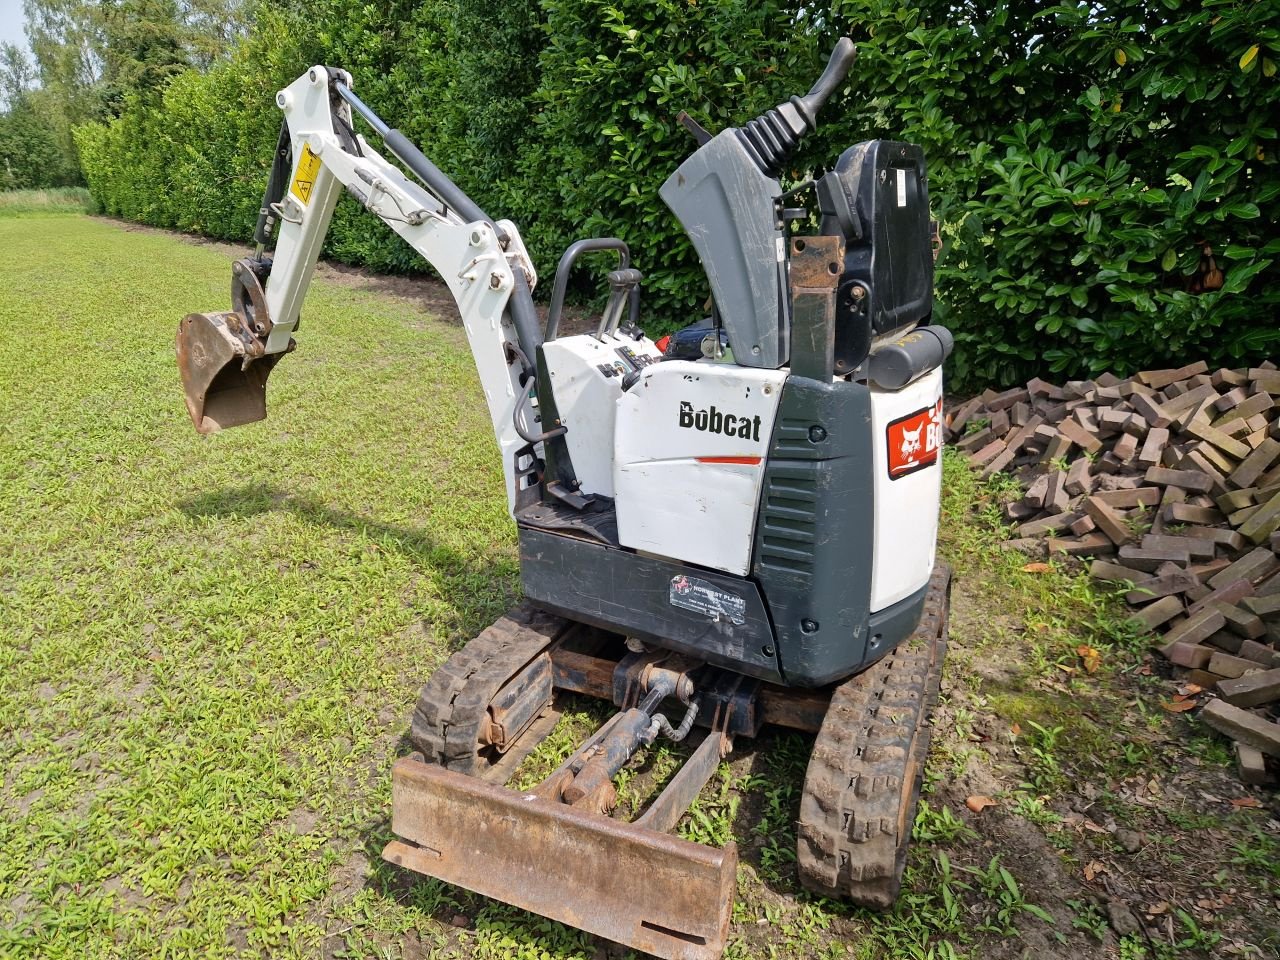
x=728 y=528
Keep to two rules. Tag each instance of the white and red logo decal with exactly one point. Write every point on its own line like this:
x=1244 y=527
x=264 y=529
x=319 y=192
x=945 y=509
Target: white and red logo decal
x=914 y=441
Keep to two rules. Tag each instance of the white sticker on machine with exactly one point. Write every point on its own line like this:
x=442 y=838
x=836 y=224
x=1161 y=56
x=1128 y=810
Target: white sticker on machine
x=701 y=596
x=902 y=186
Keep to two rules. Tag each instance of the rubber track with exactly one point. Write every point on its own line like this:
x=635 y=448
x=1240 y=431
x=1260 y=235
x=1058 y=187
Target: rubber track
x=455 y=701
x=863 y=782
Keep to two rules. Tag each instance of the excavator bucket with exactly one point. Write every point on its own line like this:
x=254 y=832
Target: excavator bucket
x=623 y=881
x=224 y=374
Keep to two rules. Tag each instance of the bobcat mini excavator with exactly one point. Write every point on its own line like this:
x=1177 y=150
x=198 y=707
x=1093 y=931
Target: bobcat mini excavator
x=729 y=536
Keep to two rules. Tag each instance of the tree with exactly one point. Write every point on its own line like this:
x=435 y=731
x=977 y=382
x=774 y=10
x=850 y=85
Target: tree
x=143 y=48
x=17 y=74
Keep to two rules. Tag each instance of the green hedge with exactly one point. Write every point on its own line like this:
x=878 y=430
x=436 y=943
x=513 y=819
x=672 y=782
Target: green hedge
x=1081 y=158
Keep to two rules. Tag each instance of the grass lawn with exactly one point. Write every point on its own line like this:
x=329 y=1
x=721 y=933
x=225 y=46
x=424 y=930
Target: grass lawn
x=210 y=649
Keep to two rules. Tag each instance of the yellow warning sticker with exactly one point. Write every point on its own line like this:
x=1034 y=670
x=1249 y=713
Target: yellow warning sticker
x=304 y=177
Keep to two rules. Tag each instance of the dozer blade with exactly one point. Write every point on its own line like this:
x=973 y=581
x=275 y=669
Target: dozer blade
x=648 y=890
x=221 y=389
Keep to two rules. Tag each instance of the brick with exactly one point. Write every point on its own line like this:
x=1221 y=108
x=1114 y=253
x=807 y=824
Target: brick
x=1203 y=679
x=1186 y=513
x=1056 y=497
x=1226 y=665
x=1189 y=655
x=1243 y=726
x=1197 y=627
x=1263 y=653
x=1265 y=380
x=1087 y=418
x=1126 y=499
x=1082 y=526
x=1052 y=524
x=1251 y=765
x=987 y=453
x=1157 y=378
x=1160 y=612
x=1135 y=425
x=1079 y=436
x=1126 y=448
x=1209 y=568
x=1078 y=480
x=975 y=440
x=1089 y=545
x=1266 y=607
x=1235 y=500
x=963 y=414
x=1115 y=572
x=1109 y=520
x=1226 y=539
x=1230 y=400
x=1226 y=640
x=1263 y=521
x=1232 y=428
x=1150 y=410
x=1253 y=566
x=1058 y=448
x=1036 y=492
x=1032 y=546
x=1219 y=460
x=1133 y=555
x=1189 y=400
x=1187 y=479
x=1232 y=591
x=1240 y=516
x=1002 y=401
x=1167 y=585
x=1227 y=377
x=1259 y=402
x=1197 y=462
x=1019 y=438
x=1252 y=689
x=1002 y=460
x=1199 y=413
x=1112 y=420
x=1242 y=623
x=1256 y=464
x=1196 y=549
x=1232 y=448
x=1039 y=388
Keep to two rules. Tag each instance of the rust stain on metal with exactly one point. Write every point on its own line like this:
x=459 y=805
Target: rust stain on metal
x=649 y=890
x=816 y=261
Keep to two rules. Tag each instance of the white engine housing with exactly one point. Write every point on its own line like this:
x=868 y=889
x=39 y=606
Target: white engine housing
x=906 y=434
x=689 y=456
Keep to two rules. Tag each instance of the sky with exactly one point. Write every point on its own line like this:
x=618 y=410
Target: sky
x=11 y=21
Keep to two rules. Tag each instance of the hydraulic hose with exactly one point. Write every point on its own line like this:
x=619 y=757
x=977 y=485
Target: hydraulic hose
x=660 y=725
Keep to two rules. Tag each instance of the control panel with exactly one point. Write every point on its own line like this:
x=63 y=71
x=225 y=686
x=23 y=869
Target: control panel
x=627 y=361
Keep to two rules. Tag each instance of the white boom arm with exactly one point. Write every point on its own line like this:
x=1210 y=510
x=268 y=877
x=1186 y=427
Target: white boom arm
x=468 y=256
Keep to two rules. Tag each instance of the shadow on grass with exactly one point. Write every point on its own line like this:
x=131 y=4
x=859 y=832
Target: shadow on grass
x=478 y=587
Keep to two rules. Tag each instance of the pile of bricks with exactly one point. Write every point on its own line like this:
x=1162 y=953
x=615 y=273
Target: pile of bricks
x=1170 y=481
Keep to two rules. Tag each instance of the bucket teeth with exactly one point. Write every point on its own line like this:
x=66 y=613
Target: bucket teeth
x=224 y=372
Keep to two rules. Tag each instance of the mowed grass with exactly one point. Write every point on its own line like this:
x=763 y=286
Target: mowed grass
x=210 y=649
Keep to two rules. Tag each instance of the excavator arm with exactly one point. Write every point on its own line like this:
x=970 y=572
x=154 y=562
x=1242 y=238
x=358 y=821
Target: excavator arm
x=225 y=358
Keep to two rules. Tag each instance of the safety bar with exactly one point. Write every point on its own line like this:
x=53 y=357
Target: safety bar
x=570 y=257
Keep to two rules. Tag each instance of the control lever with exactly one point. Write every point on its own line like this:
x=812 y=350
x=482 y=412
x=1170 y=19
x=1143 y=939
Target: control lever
x=621 y=283
x=771 y=137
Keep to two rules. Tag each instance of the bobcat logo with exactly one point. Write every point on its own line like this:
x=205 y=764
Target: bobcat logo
x=911 y=441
